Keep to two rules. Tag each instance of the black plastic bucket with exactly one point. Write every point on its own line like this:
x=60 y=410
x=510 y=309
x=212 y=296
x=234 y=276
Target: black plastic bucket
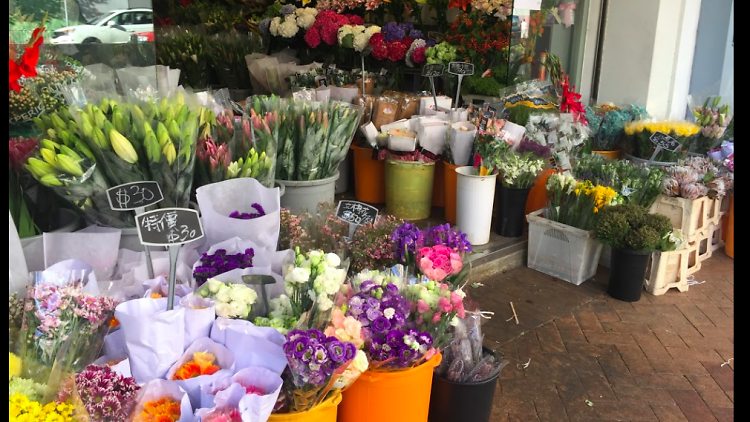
x=512 y=211
x=627 y=274
x=454 y=402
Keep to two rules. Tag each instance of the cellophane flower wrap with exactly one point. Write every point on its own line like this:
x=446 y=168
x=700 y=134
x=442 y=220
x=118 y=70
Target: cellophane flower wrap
x=465 y=360
x=315 y=362
x=62 y=324
x=575 y=203
x=254 y=390
x=607 y=123
x=639 y=135
x=635 y=183
x=436 y=307
x=713 y=117
x=392 y=341
x=221 y=262
x=564 y=133
x=696 y=177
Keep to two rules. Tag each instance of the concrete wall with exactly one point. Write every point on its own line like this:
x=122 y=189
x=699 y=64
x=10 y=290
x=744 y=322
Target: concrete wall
x=714 y=47
x=647 y=54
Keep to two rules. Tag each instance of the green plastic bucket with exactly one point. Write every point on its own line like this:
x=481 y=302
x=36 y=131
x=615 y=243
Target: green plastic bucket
x=409 y=187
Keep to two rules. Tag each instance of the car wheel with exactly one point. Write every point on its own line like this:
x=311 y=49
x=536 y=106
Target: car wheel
x=91 y=41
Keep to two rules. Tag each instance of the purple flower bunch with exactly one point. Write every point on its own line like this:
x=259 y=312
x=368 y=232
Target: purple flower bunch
x=313 y=357
x=106 y=395
x=401 y=349
x=541 y=151
x=379 y=308
x=446 y=236
x=393 y=31
x=219 y=263
x=405 y=241
x=260 y=212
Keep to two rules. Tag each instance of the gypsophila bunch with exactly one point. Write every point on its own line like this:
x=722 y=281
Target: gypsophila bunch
x=371 y=246
x=233 y=301
x=107 y=395
x=219 y=263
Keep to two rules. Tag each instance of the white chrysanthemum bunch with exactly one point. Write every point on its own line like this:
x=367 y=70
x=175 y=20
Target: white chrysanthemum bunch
x=306 y=17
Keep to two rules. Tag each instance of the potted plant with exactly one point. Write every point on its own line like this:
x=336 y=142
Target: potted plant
x=634 y=235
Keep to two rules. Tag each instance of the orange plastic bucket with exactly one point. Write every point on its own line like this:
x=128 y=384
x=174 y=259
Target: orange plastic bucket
x=369 y=177
x=438 y=188
x=450 y=183
x=390 y=396
x=538 y=195
x=325 y=412
x=729 y=230
x=609 y=155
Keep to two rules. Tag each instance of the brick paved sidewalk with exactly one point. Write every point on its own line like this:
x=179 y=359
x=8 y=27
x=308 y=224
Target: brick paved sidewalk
x=660 y=359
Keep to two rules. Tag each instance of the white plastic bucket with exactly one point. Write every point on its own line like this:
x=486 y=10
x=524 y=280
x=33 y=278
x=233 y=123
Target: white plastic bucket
x=475 y=199
x=342 y=185
x=301 y=197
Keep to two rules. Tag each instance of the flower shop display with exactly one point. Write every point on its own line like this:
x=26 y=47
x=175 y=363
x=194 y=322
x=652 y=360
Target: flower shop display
x=638 y=142
x=634 y=234
x=561 y=240
x=635 y=183
x=465 y=382
x=713 y=117
x=670 y=267
x=607 y=123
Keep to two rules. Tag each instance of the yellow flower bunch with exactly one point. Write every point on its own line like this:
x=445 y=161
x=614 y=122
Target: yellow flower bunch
x=14 y=363
x=602 y=196
x=24 y=410
x=677 y=127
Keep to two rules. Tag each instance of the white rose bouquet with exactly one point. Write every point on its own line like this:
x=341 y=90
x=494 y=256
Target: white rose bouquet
x=233 y=300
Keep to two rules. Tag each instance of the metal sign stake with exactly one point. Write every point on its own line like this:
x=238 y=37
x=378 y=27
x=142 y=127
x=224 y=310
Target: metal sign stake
x=147 y=250
x=458 y=92
x=174 y=253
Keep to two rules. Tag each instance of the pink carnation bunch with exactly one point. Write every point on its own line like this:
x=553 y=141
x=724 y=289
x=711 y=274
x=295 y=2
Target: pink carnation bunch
x=439 y=262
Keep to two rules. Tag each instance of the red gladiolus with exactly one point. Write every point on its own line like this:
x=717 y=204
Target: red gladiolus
x=14 y=74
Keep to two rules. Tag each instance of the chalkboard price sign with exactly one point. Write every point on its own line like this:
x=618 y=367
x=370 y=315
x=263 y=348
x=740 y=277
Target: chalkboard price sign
x=169 y=227
x=356 y=213
x=461 y=68
x=434 y=70
x=665 y=142
x=132 y=196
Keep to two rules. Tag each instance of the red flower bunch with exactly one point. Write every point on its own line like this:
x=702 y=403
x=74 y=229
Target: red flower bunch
x=571 y=101
x=478 y=36
x=394 y=51
x=19 y=149
x=25 y=66
x=326 y=27
x=419 y=55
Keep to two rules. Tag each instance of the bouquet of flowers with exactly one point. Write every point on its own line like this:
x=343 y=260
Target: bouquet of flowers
x=314 y=279
x=478 y=36
x=713 y=119
x=22 y=408
x=635 y=183
x=162 y=401
x=219 y=263
x=315 y=360
x=107 y=396
x=233 y=301
x=696 y=177
x=519 y=170
x=466 y=360
x=59 y=316
x=639 y=135
x=348 y=329
x=607 y=123
x=488 y=148
x=563 y=133
x=386 y=318
x=436 y=306
x=575 y=203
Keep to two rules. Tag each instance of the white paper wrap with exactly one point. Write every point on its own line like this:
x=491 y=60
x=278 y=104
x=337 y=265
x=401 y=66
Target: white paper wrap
x=114 y=343
x=154 y=337
x=223 y=391
x=18 y=273
x=346 y=95
x=252 y=346
x=432 y=137
x=224 y=360
x=244 y=192
x=122 y=367
x=200 y=314
x=96 y=246
x=462 y=142
x=160 y=286
x=159 y=389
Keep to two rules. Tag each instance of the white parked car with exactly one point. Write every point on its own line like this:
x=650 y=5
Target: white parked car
x=114 y=27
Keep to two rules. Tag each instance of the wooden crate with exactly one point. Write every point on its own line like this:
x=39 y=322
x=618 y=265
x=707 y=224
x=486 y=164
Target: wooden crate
x=667 y=270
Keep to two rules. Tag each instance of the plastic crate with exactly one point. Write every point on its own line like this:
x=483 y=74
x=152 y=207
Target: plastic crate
x=667 y=270
x=717 y=236
x=562 y=251
x=714 y=210
x=690 y=216
x=693 y=261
